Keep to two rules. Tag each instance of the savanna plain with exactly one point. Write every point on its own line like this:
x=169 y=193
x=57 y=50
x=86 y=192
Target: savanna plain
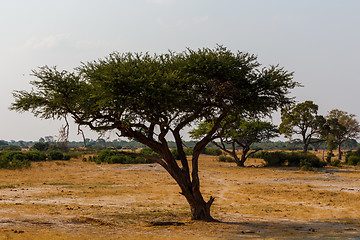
x=83 y=200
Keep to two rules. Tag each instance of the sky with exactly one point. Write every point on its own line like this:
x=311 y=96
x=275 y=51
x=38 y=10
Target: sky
x=318 y=40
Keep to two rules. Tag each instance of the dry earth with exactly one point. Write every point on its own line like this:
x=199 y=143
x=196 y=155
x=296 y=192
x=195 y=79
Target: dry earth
x=77 y=200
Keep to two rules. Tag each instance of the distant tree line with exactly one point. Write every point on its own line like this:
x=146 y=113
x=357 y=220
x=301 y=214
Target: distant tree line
x=290 y=145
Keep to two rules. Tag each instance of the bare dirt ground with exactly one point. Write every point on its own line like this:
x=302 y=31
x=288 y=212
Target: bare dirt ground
x=77 y=200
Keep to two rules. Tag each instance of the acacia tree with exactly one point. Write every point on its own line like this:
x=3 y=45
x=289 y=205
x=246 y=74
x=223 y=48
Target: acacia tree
x=342 y=126
x=241 y=133
x=150 y=97
x=301 y=119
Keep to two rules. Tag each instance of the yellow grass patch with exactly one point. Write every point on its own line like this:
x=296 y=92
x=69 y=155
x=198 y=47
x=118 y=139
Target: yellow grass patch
x=78 y=200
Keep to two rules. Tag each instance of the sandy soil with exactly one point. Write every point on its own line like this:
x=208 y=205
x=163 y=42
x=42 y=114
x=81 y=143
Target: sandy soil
x=76 y=200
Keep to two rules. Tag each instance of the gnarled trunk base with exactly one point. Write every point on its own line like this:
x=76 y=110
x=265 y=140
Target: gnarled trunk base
x=201 y=210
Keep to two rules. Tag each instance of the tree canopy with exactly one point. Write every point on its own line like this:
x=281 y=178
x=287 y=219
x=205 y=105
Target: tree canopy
x=147 y=98
x=301 y=119
x=341 y=126
x=241 y=133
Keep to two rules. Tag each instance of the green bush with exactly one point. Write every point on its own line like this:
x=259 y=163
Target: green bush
x=305 y=165
x=113 y=157
x=335 y=163
x=214 y=151
x=56 y=155
x=353 y=157
x=353 y=160
x=175 y=153
x=41 y=146
x=297 y=159
x=36 y=156
x=14 y=160
x=12 y=148
x=272 y=159
x=149 y=152
x=188 y=151
x=226 y=159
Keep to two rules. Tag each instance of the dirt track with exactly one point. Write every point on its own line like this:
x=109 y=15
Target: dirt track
x=76 y=200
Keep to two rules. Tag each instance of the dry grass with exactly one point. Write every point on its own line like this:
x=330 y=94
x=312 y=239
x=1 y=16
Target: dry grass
x=77 y=200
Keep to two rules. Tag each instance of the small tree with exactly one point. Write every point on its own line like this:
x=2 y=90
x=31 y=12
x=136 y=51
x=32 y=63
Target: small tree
x=150 y=98
x=240 y=133
x=342 y=127
x=301 y=119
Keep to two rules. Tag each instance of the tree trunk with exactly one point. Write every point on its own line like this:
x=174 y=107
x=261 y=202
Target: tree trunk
x=305 y=143
x=340 y=152
x=241 y=163
x=245 y=150
x=305 y=148
x=200 y=210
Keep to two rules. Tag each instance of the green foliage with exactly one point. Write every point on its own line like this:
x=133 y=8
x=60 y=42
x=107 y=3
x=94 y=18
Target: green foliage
x=223 y=158
x=187 y=151
x=281 y=158
x=335 y=163
x=41 y=146
x=36 y=156
x=242 y=133
x=12 y=148
x=56 y=155
x=341 y=127
x=305 y=165
x=353 y=160
x=113 y=157
x=329 y=156
x=149 y=152
x=353 y=157
x=175 y=153
x=214 y=151
x=14 y=160
x=301 y=119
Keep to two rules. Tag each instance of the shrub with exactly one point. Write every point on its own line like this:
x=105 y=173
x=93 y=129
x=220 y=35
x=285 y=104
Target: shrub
x=149 y=152
x=297 y=159
x=272 y=159
x=226 y=159
x=56 y=155
x=305 y=165
x=41 y=146
x=36 y=156
x=113 y=157
x=12 y=148
x=14 y=160
x=175 y=153
x=353 y=160
x=214 y=151
x=329 y=155
x=335 y=163
x=188 y=151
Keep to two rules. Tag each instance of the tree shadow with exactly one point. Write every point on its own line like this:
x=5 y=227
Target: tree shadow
x=324 y=229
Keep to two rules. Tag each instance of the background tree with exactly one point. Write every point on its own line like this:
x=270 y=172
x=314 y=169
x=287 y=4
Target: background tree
x=150 y=98
x=301 y=119
x=241 y=133
x=342 y=127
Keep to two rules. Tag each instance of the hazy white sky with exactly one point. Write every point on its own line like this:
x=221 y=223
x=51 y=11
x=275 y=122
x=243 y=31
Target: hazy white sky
x=317 y=39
